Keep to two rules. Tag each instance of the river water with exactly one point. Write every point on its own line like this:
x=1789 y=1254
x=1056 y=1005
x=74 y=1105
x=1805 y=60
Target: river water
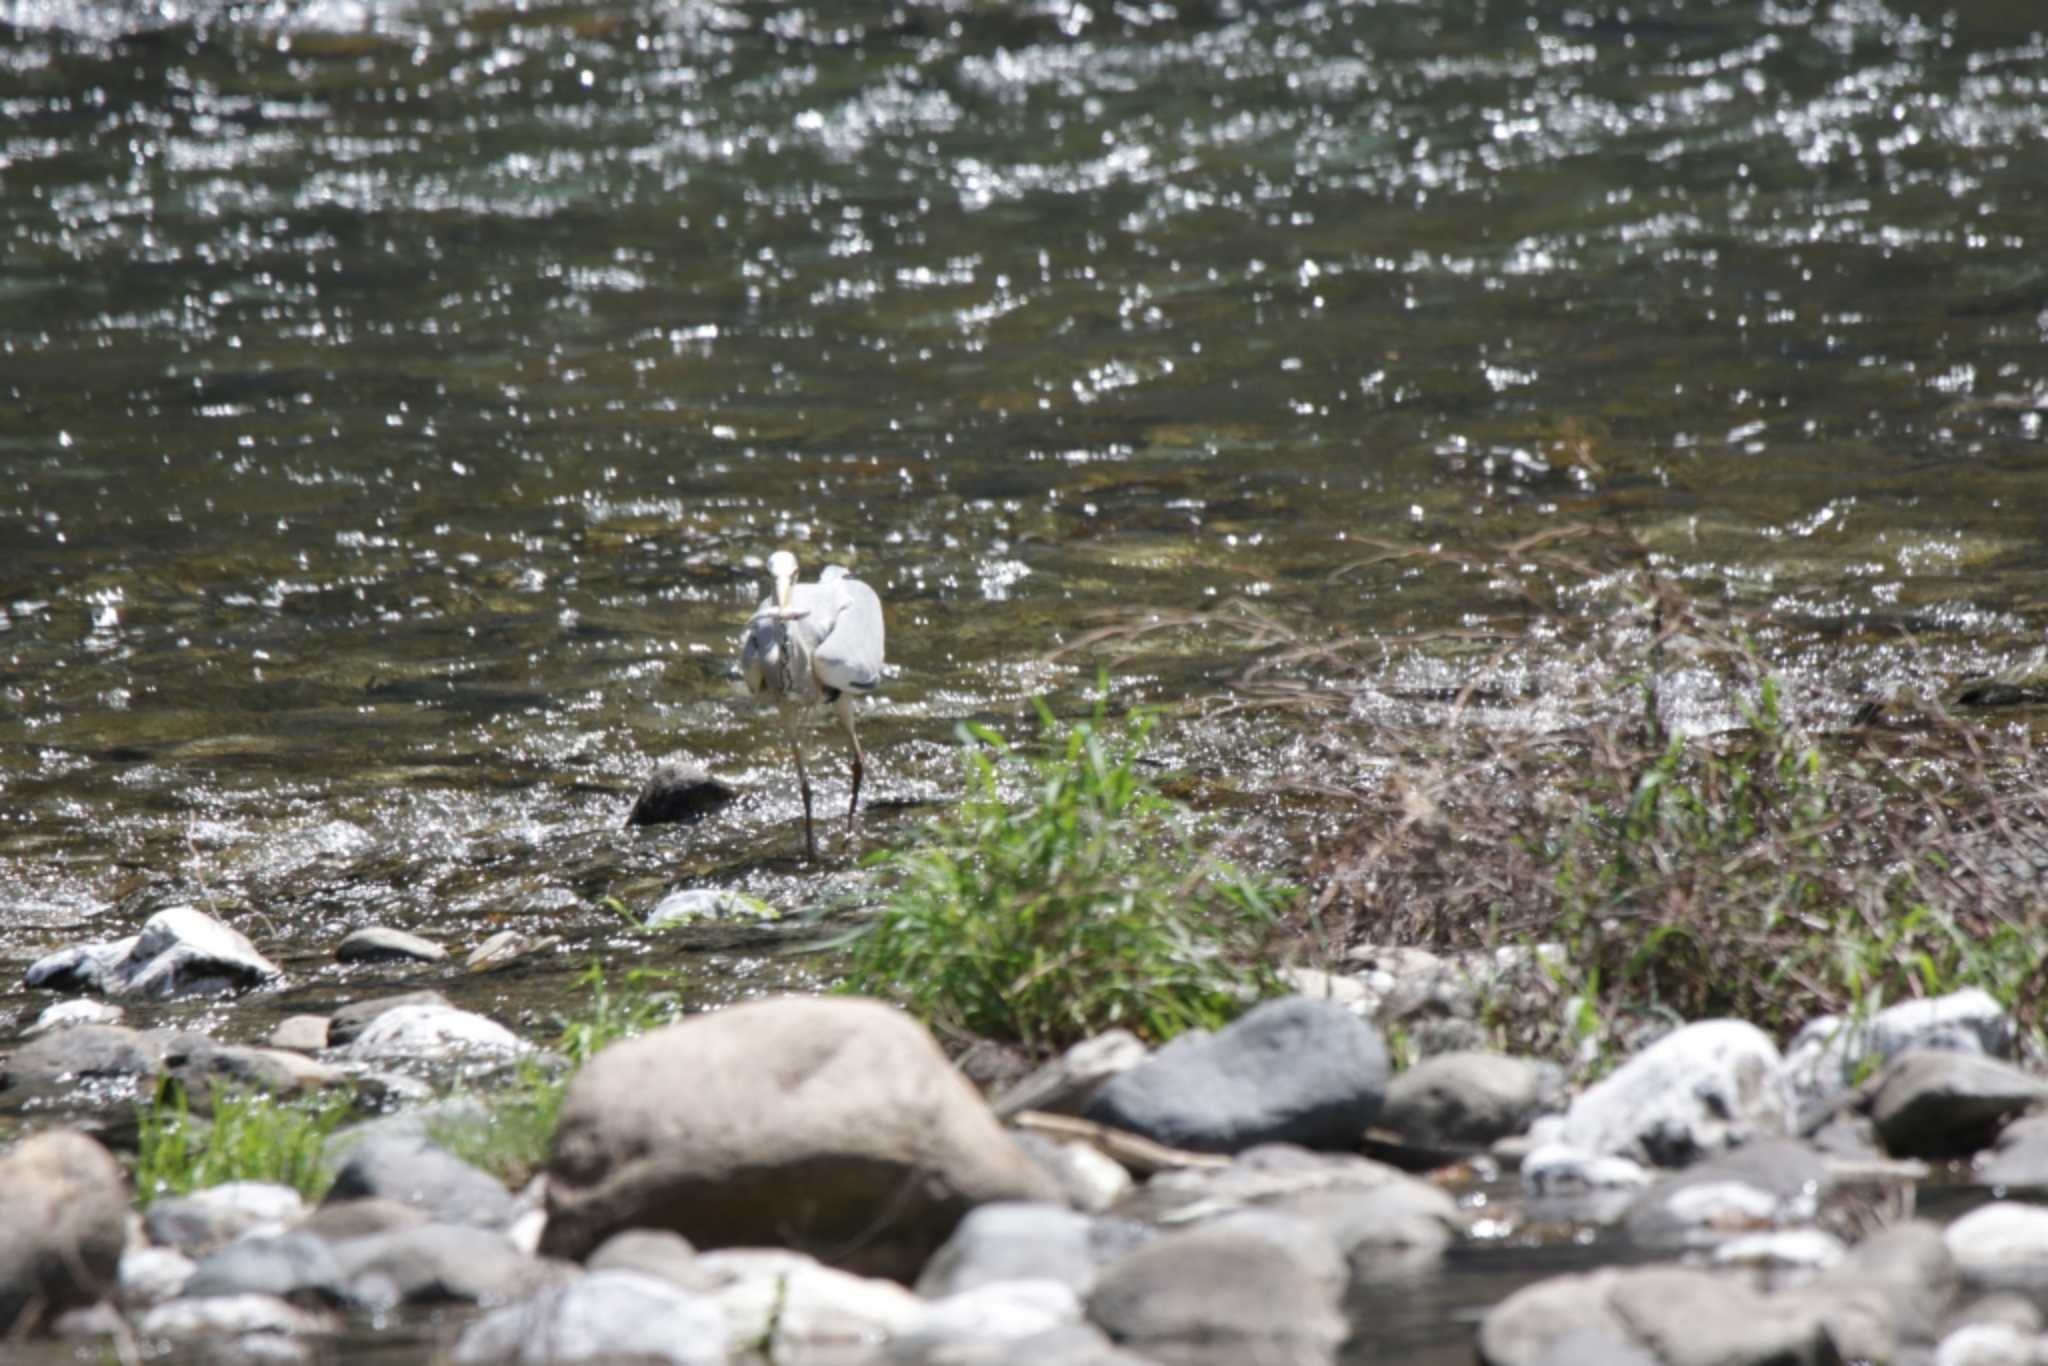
x=398 y=405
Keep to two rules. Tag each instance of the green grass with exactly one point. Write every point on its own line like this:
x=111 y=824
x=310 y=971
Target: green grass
x=248 y=1136
x=1065 y=895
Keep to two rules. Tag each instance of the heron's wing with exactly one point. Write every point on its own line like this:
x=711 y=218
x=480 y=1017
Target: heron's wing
x=848 y=650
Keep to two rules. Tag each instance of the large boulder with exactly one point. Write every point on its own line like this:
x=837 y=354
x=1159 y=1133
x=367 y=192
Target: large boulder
x=831 y=1125
x=63 y=1225
x=1700 y=1090
x=1295 y=1070
x=180 y=952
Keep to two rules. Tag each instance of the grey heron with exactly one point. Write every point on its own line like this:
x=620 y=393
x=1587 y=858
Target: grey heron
x=813 y=645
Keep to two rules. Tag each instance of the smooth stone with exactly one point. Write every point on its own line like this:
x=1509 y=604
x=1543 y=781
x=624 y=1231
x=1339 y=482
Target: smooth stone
x=1065 y=1085
x=66 y=1014
x=2018 y=1157
x=1091 y=1180
x=678 y=791
x=506 y=946
x=652 y=1252
x=83 y=1051
x=1078 y=1344
x=150 y=1275
x=198 y=1223
x=1000 y=1311
x=819 y=1122
x=233 y=1316
x=699 y=904
x=382 y=944
x=434 y=1034
x=791 y=1307
x=1667 y=1315
x=1699 y=1090
x=1239 y=1290
x=359 y=1218
x=1287 y=1071
x=352 y=1019
x=414 y=1172
x=2002 y=1245
x=198 y=1063
x=436 y=1263
x=292 y=1266
x=1895 y=1286
x=604 y=1317
x=1990 y=1344
x=1469 y=1100
x=63 y=1226
x=1944 y=1104
x=1014 y=1241
x=300 y=1033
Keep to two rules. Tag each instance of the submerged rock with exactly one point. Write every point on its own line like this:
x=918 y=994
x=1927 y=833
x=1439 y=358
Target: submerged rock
x=180 y=952
x=698 y=904
x=679 y=790
x=823 y=1123
x=1293 y=1070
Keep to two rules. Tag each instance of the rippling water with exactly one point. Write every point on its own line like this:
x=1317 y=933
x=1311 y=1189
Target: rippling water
x=397 y=405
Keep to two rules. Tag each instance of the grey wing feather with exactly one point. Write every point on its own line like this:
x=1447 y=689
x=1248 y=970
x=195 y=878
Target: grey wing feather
x=849 y=650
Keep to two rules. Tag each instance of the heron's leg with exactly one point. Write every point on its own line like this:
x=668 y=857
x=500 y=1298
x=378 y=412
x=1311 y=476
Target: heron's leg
x=803 y=782
x=852 y=802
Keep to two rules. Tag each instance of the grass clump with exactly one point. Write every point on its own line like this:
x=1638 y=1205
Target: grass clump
x=246 y=1136
x=1065 y=895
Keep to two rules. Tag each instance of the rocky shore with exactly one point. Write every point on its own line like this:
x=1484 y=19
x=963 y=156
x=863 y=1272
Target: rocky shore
x=812 y=1180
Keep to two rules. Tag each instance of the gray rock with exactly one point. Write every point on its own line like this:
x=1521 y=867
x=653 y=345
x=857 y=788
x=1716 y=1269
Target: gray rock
x=1895 y=1286
x=301 y=1033
x=1287 y=1071
x=198 y=1223
x=998 y=1312
x=359 y=1219
x=181 y=952
x=2018 y=1158
x=151 y=1275
x=63 y=1227
x=1700 y=1090
x=2002 y=1246
x=679 y=790
x=1770 y=1184
x=790 y=1307
x=352 y=1019
x=1013 y=1241
x=1830 y=1053
x=292 y=1266
x=1077 y=1344
x=699 y=904
x=83 y=1051
x=1091 y=1180
x=506 y=946
x=218 y=1317
x=1065 y=1085
x=821 y=1122
x=198 y=1063
x=652 y=1252
x=1946 y=1104
x=1235 y=1291
x=1469 y=1100
x=382 y=944
x=65 y=1014
x=1668 y=1315
x=605 y=1316
x=415 y=1172
x=426 y=1033
x=439 y=1263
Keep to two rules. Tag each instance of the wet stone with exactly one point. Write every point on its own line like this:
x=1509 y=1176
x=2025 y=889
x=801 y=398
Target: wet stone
x=506 y=946
x=1769 y=1184
x=678 y=791
x=698 y=904
x=435 y=1263
x=1012 y=1241
x=1287 y=1071
x=291 y=1266
x=652 y=1252
x=181 y=952
x=1946 y=1104
x=2018 y=1158
x=226 y=1317
x=432 y=1034
x=352 y=1019
x=198 y=1223
x=300 y=1033
x=614 y=1315
x=65 y=1014
x=382 y=944
x=84 y=1050
x=414 y=1172
x=198 y=1063
x=1469 y=1100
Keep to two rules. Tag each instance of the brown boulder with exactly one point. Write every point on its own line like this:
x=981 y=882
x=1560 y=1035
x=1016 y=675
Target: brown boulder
x=63 y=1224
x=832 y=1126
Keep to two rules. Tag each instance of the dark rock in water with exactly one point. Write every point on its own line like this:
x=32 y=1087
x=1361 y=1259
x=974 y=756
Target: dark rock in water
x=63 y=1223
x=1932 y=1103
x=1294 y=1070
x=382 y=944
x=678 y=791
x=87 y=1050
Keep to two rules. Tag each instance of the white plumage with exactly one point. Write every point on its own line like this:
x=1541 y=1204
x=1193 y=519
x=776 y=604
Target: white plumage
x=811 y=645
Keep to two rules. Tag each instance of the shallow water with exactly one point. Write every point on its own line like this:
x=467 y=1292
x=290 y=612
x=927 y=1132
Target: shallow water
x=397 y=406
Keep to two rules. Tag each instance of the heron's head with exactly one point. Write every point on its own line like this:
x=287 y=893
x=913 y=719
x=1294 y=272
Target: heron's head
x=782 y=565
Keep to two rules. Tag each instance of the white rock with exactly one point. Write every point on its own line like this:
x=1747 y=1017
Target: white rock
x=1000 y=1311
x=1990 y=1344
x=603 y=1316
x=1558 y=1169
x=434 y=1033
x=77 y=1011
x=2004 y=1243
x=1700 y=1090
x=789 y=1303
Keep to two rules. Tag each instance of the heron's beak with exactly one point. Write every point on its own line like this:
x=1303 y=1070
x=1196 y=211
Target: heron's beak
x=782 y=587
